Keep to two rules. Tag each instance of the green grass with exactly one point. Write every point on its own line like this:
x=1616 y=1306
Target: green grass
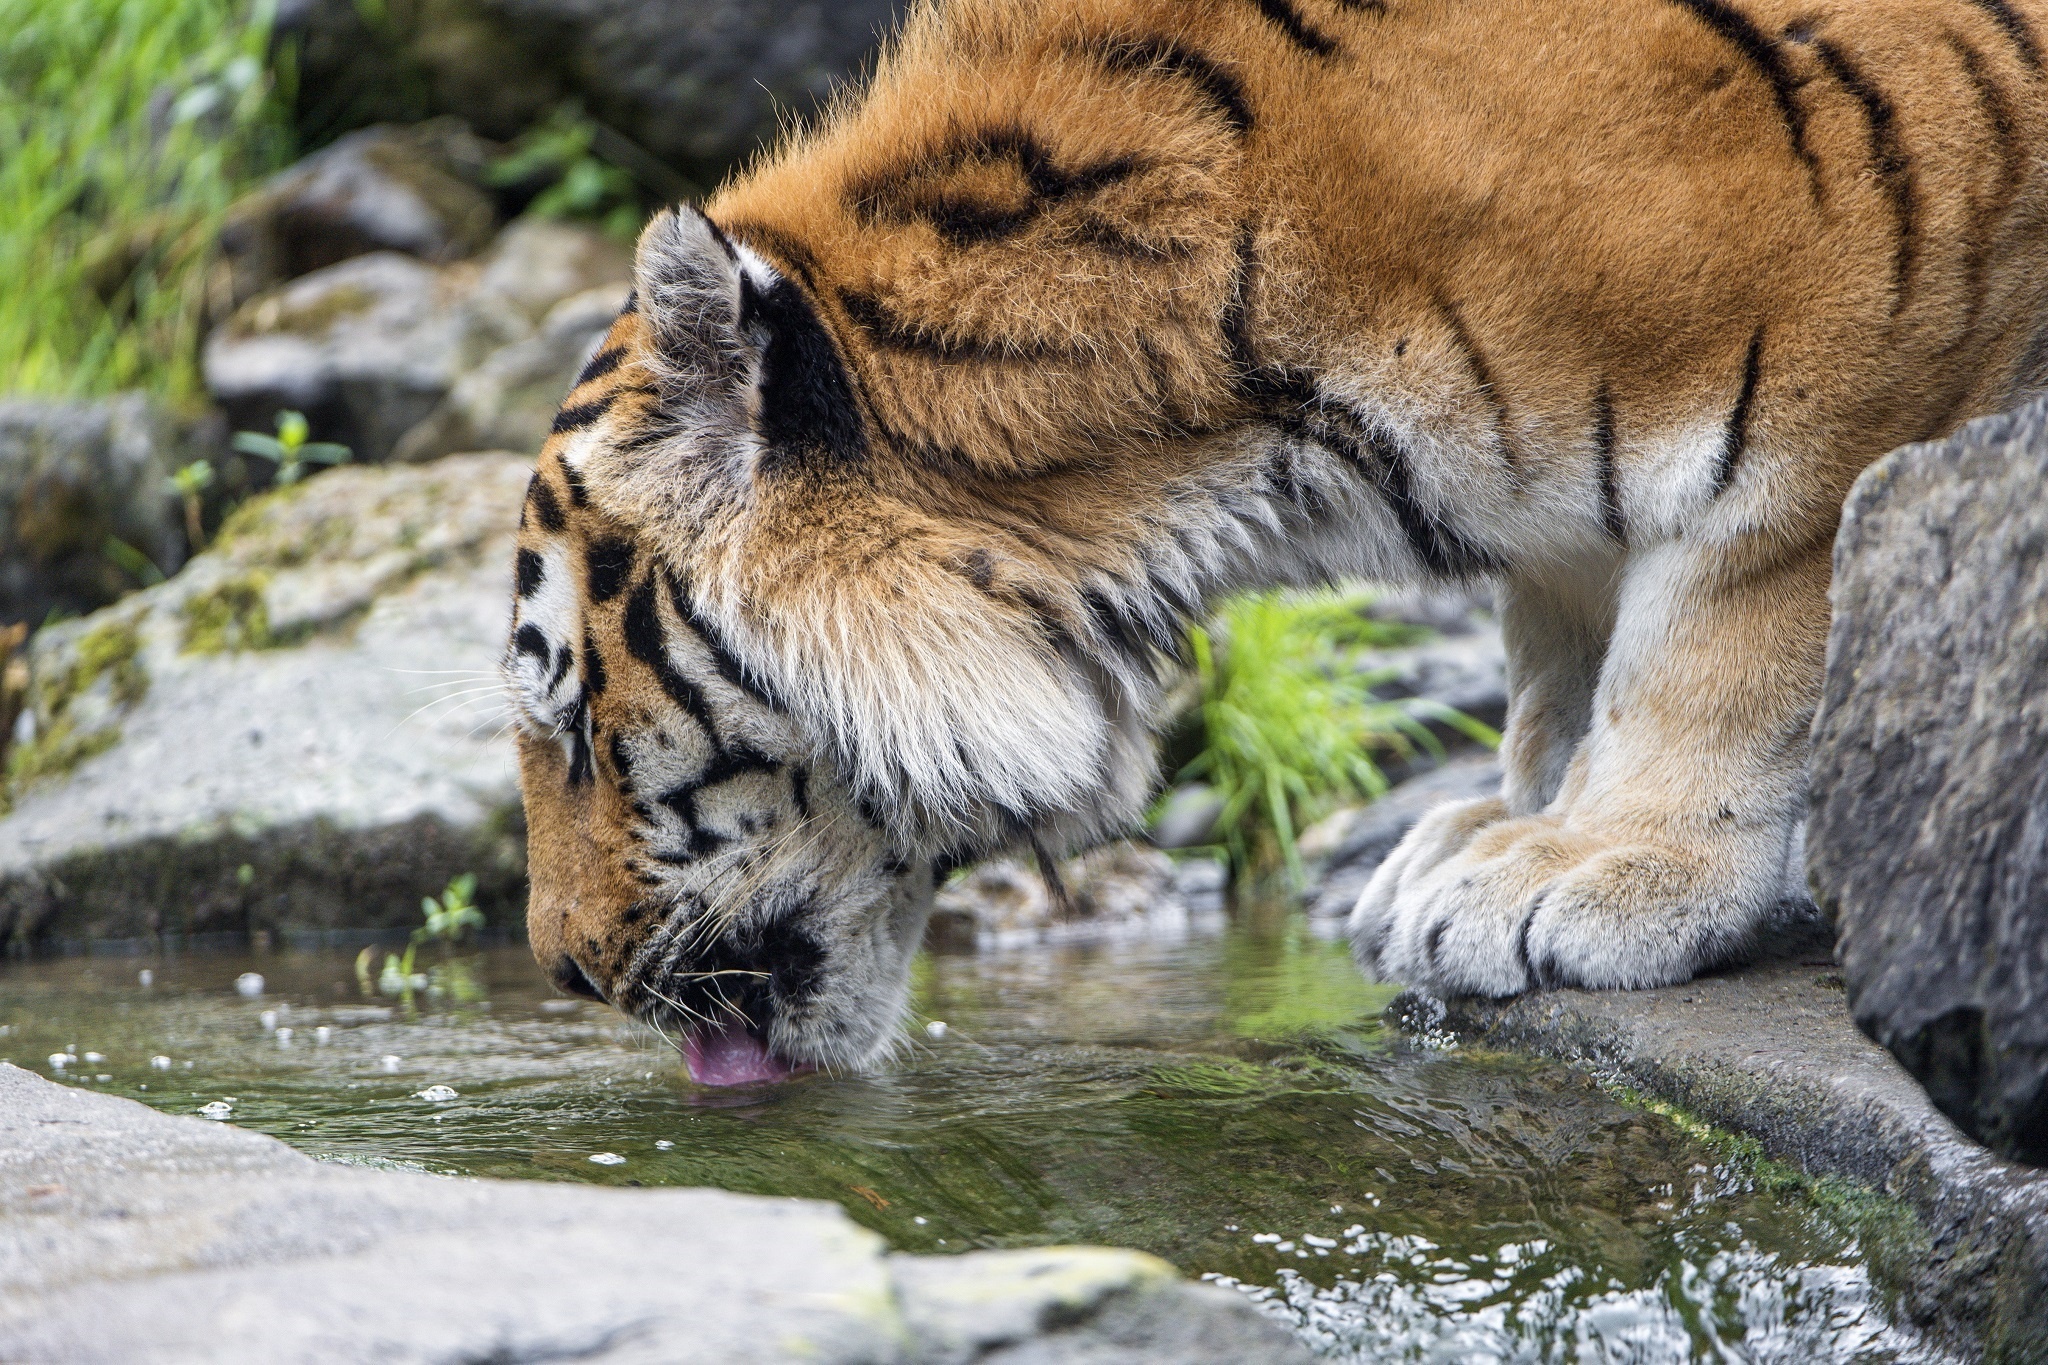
x=1290 y=725
x=127 y=127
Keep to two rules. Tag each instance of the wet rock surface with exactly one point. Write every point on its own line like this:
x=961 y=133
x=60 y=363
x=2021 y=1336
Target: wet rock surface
x=1769 y=1051
x=1929 y=834
x=374 y=347
x=313 y=700
x=131 y=1236
x=73 y=474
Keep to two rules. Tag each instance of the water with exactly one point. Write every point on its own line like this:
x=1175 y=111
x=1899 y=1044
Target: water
x=1229 y=1103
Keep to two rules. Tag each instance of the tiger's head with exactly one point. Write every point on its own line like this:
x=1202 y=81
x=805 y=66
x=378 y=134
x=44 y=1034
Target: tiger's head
x=857 y=546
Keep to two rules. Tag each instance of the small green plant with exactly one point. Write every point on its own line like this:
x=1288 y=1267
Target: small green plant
x=190 y=484
x=289 y=449
x=1290 y=722
x=132 y=562
x=446 y=919
x=557 y=152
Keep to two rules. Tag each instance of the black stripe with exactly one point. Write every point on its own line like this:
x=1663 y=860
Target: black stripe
x=2016 y=28
x=646 y=642
x=580 y=415
x=1763 y=54
x=547 y=509
x=594 y=677
x=918 y=191
x=1603 y=450
x=1363 y=6
x=580 y=766
x=1888 y=155
x=579 y=496
x=888 y=331
x=1482 y=374
x=808 y=413
x=528 y=571
x=632 y=304
x=1212 y=83
x=622 y=766
x=722 y=658
x=1282 y=15
x=787 y=253
x=1115 y=628
x=800 y=791
x=1996 y=108
x=1437 y=545
x=601 y=364
x=607 y=562
x=1736 y=435
x=529 y=639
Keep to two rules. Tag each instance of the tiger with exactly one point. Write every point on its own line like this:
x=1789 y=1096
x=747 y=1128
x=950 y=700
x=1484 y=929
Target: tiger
x=867 y=543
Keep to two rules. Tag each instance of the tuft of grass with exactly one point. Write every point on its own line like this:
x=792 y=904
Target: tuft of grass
x=1291 y=727
x=127 y=127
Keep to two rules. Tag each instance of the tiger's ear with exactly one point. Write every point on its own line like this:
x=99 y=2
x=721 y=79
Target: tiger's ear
x=690 y=287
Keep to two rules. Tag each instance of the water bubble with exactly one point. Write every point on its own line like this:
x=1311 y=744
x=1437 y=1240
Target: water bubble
x=284 y=1037
x=919 y=1220
x=439 y=1094
x=323 y=1035
x=159 y=1063
x=662 y=1144
x=145 y=977
x=268 y=1019
x=609 y=1159
x=188 y=1066
x=389 y=1063
x=217 y=1109
x=935 y=1030
x=1265 y=1237
x=249 y=984
x=95 y=1056
x=103 y=1076
x=60 y=1060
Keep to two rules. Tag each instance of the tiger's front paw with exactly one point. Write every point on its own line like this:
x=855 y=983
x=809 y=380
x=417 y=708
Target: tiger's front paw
x=1523 y=903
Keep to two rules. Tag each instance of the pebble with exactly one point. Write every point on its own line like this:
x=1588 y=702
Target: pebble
x=249 y=984
x=439 y=1094
x=559 y=1006
x=159 y=1063
x=609 y=1159
x=935 y=1030
x=60 y=1060
x=217 y=1109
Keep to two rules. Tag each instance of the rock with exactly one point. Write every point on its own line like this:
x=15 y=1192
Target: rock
x=1956 y=1239
x=132 y=1236
x=1467 y=672
x=73 y=474
x=1188 y=819
x=379 y=189
x=1928 y=839
x=698 y=86
x=373 y=347
x=294 y=733
x=1115 y=891
x=1343 y=850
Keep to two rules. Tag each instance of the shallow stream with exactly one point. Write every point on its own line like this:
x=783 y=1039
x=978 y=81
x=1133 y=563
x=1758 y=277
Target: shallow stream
x=1231 y=1103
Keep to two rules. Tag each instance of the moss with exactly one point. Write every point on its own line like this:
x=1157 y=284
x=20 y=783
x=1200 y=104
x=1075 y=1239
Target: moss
x=273 y=314
x=111 y=650
x=230 y=616
x=57 y=750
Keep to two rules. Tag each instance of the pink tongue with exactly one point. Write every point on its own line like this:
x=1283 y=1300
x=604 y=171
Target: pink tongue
x=732 y=1056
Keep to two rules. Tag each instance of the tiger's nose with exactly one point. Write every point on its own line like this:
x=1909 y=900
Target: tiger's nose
x=570 y=978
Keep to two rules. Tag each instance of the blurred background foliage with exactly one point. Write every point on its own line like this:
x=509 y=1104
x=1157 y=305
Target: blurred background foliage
x=127 y=128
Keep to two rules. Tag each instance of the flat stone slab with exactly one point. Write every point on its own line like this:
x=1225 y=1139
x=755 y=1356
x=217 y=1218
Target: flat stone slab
x=131 y=1236
x=1770 y=1051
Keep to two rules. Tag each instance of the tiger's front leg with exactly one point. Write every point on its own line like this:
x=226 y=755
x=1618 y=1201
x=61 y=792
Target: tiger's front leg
x=1665 y=847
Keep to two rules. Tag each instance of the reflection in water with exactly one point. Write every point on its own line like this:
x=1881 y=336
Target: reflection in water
x=1229 y=1103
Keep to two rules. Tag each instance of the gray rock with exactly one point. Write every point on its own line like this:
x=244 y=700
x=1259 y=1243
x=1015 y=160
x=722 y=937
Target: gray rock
x=1119 y=890
x=132 y=1236
x=698 y=86
x=1958 y=1243
x=1188 y=819
x=373 y=347
x=1467 y=672
x=1928 y=840
x=314 y=698
x=73 y=473
x=1343 y=850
